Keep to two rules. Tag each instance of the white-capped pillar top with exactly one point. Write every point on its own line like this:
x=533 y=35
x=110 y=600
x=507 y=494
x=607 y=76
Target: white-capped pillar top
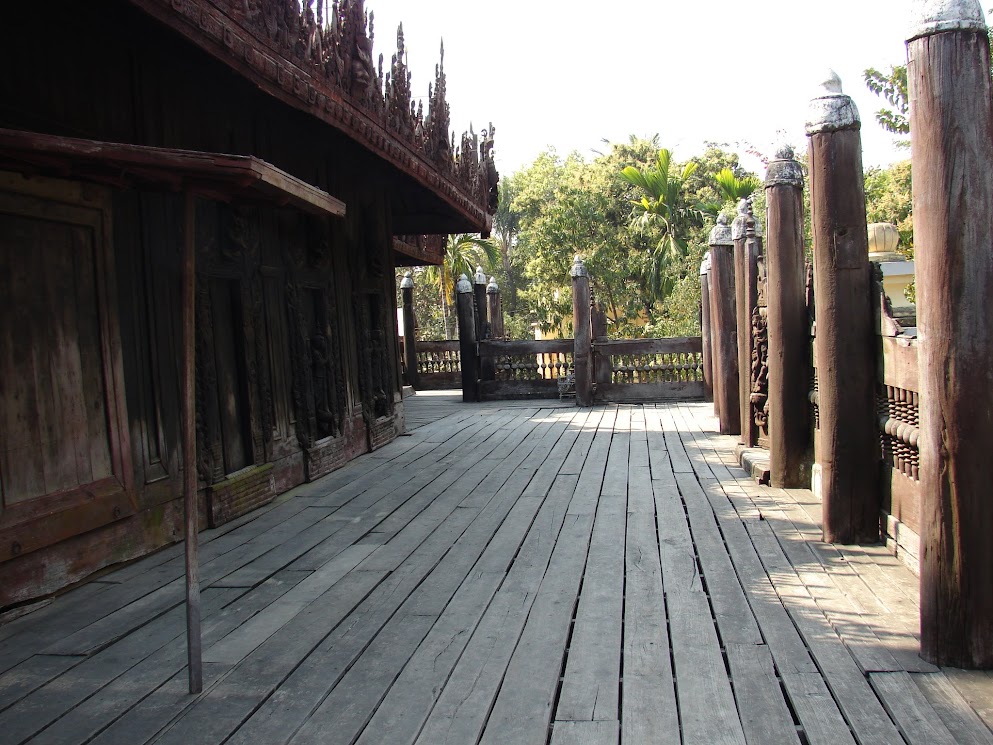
x=721 y=234
x=705 y=265
x=929 y=17
x=738 y=230
x=832 y=110
x=578 y=268
x=407 y=283
x=463 y=285
x=492 y=288
x=784 y=170
x=480 y=278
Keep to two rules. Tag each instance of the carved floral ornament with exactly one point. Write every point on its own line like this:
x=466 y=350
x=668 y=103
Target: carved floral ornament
x=332 y=42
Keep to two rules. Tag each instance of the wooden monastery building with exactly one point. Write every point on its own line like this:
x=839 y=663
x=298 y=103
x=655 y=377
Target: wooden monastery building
x=262 y=140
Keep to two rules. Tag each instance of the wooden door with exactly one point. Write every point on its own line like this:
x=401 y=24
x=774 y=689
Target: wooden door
x=64 y=465
x=232 y=383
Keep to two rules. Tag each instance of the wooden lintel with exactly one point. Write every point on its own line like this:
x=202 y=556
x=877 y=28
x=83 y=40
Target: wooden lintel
x=233 y=177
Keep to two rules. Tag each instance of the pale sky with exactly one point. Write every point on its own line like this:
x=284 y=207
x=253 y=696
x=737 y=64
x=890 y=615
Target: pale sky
x=571 y=74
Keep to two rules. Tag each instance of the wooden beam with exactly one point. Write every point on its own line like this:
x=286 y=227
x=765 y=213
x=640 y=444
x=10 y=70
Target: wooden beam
x=952 y=148
x=708 y=365
x=847 y=445
x=789 y=337
x=215 y=175
x=582 y=333
x=724 y=328
x=188 y=397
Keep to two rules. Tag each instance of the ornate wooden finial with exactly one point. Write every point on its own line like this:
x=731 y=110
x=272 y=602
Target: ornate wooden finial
x=832 y=110
x=407 y=283
x=721 y=234
x=739 y=226
x=784 y=170
x=935 y=16
x=480 y=276
x=492 y=288
x=463 y=285
x=578 y=268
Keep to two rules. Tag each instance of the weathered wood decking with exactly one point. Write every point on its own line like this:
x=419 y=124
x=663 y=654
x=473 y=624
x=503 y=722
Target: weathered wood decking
x=512 y=574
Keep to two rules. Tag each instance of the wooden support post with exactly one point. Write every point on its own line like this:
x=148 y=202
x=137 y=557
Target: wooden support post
x=952 y=146
x=191 y=513
x=495 y=309
x=601 y=362
x=789 y=335
x=465 y=310
x=409 y=330
x=479 y=296
x=746 y=299
x=847 y=442
x=708 y=365
x=724 y=327
x=582 y=332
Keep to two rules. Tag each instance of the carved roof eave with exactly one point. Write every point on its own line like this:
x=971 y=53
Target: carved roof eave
x=256 y=59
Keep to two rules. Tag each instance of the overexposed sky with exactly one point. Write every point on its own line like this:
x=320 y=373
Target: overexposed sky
x=571 y=74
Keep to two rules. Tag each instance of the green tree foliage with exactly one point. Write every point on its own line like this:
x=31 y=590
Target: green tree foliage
x=891 y=86
x=888 y=198
x=463 y=253
x=564 y=206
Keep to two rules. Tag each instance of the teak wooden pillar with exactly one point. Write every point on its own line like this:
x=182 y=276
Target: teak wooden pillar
x=952 y=147
x=847 y=443
x=191 y=513
x=708 y=365
x=787 y=313
x=724 y=327
x=409 y=331
x=466 y=312
x=581 y=332
x=495 y=309
x=601 y=362
x=746 y=252
x=479 y=296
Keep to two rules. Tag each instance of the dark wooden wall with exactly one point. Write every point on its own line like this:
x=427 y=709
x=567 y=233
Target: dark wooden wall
x=297 y=350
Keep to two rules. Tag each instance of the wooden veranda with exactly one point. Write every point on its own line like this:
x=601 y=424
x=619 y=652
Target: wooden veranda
x=507 y=573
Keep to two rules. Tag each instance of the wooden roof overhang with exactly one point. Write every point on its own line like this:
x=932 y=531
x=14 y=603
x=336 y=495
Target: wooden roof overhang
x=226 y=178
x=220 y=28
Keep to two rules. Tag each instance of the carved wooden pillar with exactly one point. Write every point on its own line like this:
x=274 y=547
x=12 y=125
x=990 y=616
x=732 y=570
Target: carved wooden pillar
x=582 y=332
x=708 y=365
x=724 y=327
x=847 y=445
x=495 y=308
x=466 y=312
x=409 y=330
x=788 y=330
x=952 y=147
x=746 y=298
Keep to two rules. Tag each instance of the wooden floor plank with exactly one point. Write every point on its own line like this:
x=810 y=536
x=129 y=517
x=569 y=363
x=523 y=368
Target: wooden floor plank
x=956 y=714
x=765 y=717
x=648 y=702
x=463 y=705
x=601 y=732
x=919 y=723
x=591 y=684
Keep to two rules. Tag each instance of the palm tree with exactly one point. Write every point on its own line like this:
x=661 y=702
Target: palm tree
x=463 y=253
x=733 y=188
x=663 y=204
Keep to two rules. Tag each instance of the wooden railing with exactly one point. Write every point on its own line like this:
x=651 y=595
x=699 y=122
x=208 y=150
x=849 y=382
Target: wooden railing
x=898 y=418
x=648 y=369
x=438 y=365
x=524 y=369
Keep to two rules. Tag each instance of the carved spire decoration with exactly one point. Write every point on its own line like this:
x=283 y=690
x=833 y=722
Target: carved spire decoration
x=337 y=47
